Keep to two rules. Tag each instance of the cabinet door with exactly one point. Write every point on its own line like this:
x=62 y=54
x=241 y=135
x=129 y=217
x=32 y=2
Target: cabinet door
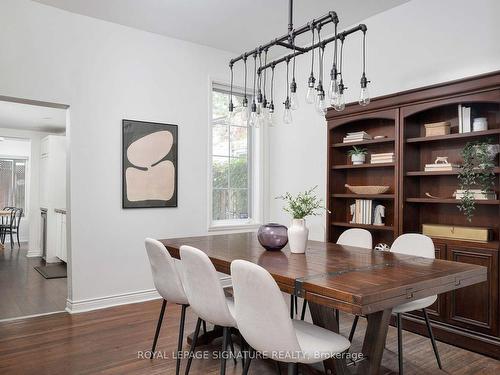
x=475 y=307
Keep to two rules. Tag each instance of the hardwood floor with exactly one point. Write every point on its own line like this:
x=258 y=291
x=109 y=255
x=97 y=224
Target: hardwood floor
x=110 y=341
x=23 y=291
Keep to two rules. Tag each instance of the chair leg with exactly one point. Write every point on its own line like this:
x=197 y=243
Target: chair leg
x=293 y=369
x=353 y=328
x=278 y=368
x=400 y=343
x=247 y=361
x=337 y=316
x=181 y=338
x=193 y=345
x=292 y=303
x=433 y=341
x=158 y=326
x=231 y=345
x=17 y=235
x=225 y=341
x=11 y=241
x=204 y=327
x=304 y=306
x=296 y=299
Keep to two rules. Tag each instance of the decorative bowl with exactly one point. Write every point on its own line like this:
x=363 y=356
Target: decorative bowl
x=368 y=189
x=273 y=236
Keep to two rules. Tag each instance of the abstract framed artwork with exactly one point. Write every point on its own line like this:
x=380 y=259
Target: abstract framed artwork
x=149 y=162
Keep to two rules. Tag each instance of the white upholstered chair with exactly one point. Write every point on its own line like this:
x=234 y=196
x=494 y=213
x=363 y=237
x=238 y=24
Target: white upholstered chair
x=418 y=245
x=167 y=280
x=263 y=319
x=206 y=297
x=356 y=237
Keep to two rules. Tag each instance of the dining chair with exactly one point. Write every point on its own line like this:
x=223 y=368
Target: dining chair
x=167 y=280
x=11 y=225
x=207 y=299
x=351 y=237
x=263 y=319
x=418 y=245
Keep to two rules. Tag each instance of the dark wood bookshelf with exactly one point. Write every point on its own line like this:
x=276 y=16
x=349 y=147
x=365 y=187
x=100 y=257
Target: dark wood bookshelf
x=469 y=317
x=365 y=143
x=364 y=226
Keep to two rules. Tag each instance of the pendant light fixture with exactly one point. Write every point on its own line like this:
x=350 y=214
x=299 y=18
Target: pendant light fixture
x=270 y=115
x=339 y=104
x=364 y=96
x=231 y=105
x=254 y=120
x=287 y=114
x=310 y=94
x=314 y=94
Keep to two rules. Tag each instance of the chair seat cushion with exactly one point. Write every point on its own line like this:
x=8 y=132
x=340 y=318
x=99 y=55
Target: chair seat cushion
x=317 y=343
x=418 y=304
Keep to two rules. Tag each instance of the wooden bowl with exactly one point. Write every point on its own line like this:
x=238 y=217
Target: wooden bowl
x=368 y=189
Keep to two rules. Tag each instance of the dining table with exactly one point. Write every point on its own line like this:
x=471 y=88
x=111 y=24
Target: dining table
x=353 y=280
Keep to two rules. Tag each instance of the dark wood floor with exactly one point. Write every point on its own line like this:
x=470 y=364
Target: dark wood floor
x=110 y=342
x=23 y=291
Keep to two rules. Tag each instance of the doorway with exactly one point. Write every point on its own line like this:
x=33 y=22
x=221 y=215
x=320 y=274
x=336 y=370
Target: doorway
x=34 y=211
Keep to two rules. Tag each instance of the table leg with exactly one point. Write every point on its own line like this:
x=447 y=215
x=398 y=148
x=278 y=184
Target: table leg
x=374 y=342
x=324 y=317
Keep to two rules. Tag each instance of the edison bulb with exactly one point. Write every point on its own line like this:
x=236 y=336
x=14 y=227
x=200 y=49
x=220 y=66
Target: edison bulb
x=364 y=96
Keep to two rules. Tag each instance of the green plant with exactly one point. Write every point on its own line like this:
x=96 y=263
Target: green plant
x=357 y=151
x=476 y=171
x=304 y=204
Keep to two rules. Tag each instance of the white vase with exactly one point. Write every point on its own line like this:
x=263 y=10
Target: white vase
x=358 y=159
x=297 y=236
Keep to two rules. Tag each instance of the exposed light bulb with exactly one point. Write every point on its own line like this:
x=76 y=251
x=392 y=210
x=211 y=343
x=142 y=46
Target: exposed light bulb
x=333 y=90
x=294 y=99
x=270 y=115
x=253 y=115
x=364 y=95
x=311 y=92
x=287 y=114
x=321 y=103
x=339 y=104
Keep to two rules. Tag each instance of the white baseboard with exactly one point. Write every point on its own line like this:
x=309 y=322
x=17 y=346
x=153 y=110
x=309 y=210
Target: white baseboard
x=75 y=307
x=34 y=253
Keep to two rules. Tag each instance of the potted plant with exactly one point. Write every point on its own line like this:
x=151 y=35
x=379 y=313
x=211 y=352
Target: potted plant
x=476 y=172
x=358 y=155
x=303 y=204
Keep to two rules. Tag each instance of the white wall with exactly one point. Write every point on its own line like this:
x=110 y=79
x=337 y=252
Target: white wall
x=107 y=72
x=416 y=44
x=30 y=224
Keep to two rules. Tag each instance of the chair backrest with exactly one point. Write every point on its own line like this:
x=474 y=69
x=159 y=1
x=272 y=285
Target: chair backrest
x=414 y=244
x=18 y=214
x=166 y=272
x=260 y=309
x=356 y=237
x=203 y=288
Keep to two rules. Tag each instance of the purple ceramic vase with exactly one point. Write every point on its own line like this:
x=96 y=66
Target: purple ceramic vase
x=272 y=236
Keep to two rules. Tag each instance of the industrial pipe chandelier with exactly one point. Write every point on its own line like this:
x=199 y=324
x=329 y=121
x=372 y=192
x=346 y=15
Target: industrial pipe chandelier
x=261 y=109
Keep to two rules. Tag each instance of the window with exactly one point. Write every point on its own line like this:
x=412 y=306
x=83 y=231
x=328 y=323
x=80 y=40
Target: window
x=231 y=156
x=13 y=183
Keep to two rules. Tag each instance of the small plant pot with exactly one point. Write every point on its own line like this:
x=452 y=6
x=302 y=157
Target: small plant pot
x=358 y=159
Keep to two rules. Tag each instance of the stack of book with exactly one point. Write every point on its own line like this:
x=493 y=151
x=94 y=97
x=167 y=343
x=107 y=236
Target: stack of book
x=477 y=194
x=464 y=119
x=363 y=213
x=387 y=157
x=441 y=167
x=356 y=137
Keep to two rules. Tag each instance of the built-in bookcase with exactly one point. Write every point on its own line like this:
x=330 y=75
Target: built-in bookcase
x=342 y=172
x=468 y=317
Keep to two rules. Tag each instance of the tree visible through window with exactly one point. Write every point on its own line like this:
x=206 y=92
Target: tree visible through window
x=231 y=193
x=13 y=183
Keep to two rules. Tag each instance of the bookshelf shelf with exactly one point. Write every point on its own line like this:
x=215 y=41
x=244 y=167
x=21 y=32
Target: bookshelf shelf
x=365 y=143
x=361 y=166
x=440 y=173
x=363 y=196
x=364 y=226
x=455 y=136
x=449 y=201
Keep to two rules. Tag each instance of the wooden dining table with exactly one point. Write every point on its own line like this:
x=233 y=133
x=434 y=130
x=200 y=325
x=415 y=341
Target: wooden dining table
x=351 y=279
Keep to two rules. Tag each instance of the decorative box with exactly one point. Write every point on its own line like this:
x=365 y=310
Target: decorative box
x=437 y=128
x=452 y=232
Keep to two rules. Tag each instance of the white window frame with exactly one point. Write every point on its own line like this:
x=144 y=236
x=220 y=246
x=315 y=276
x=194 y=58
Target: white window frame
x=255 y=178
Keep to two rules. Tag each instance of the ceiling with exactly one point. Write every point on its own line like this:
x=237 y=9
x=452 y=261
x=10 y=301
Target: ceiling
x=32 y=117
x=231 y=25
